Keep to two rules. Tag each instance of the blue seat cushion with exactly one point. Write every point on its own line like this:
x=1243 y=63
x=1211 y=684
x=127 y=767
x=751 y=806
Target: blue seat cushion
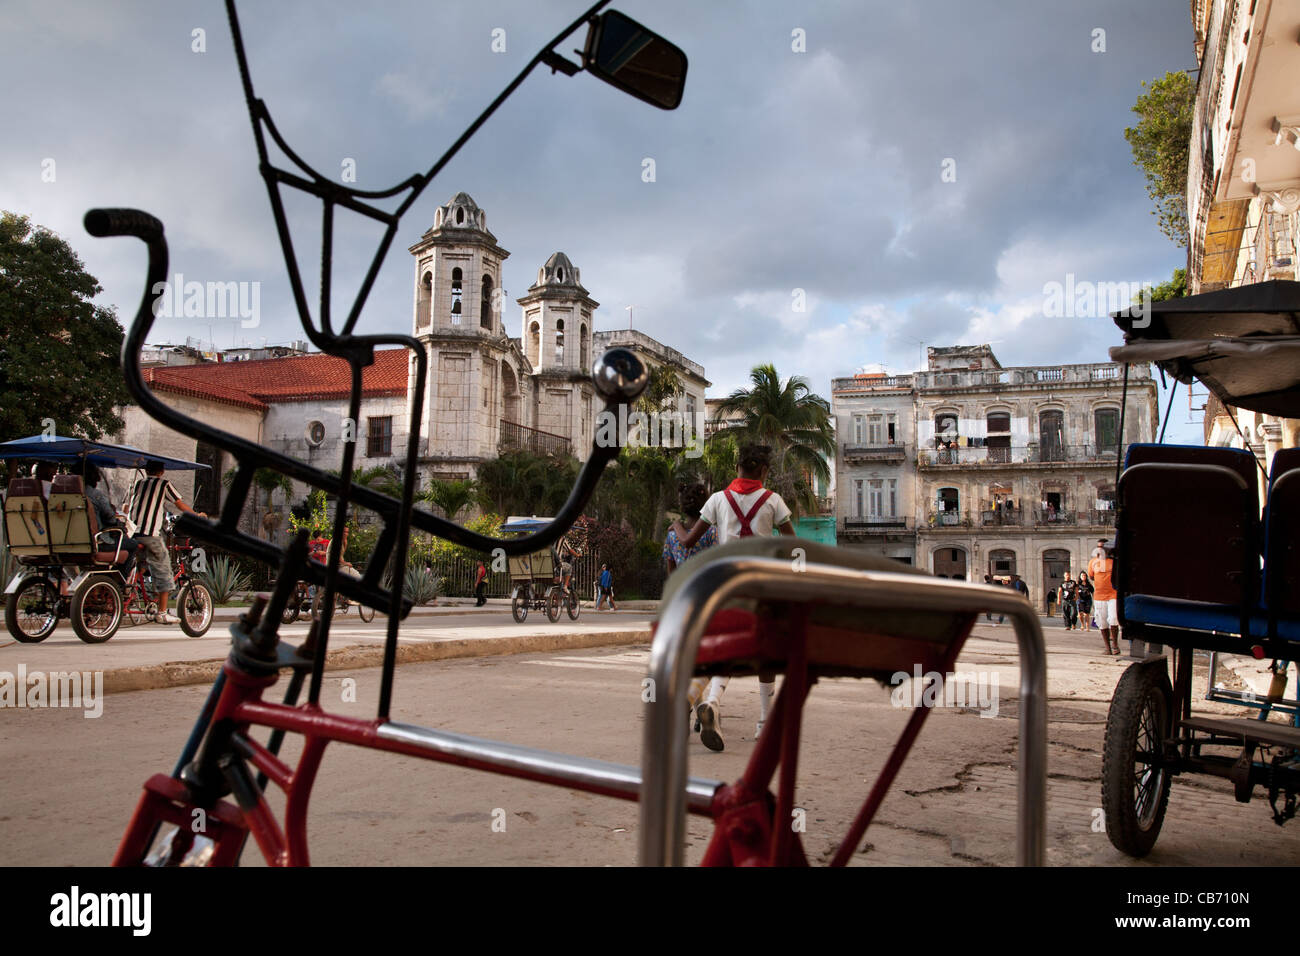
x=1202 y=616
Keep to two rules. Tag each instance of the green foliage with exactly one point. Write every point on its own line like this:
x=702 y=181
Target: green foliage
x=661 y=390
x=794 y=421
x=437 y=548
x=419 y=584
x=1161 y=142
x=224 y=579
x=1175 y=288
x=520 y=483
x=381 y=478
x=316 y=523
x=361 y=545
x=450 y=496
x=59 y=352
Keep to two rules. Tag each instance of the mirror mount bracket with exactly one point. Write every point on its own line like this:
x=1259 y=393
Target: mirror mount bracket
x=559 y=64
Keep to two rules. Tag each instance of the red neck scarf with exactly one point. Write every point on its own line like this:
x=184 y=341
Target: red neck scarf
x=745 y=486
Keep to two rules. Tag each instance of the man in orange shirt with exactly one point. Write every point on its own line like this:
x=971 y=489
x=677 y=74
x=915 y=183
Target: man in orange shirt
x=1105 y=599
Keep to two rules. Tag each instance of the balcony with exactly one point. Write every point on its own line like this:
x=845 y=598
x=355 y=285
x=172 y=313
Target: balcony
x=868 y=525
x=948 y=519
x=855 y=452
x=1004 y=518
x=516 y=437
x=1030 y=377
x=1014 y=455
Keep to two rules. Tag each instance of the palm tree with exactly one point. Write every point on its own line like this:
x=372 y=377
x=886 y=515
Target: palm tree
x=269 y=481
x=381 y=478
x=790 y=418
x=450 y=496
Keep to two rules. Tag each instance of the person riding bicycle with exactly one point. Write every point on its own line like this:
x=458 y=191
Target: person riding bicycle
x=148 y=500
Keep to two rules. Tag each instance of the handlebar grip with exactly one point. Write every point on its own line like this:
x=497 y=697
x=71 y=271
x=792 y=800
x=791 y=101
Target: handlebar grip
x=123 y=222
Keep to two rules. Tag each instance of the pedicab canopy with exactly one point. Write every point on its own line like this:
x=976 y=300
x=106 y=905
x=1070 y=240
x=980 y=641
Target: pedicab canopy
x=1243 y=344
x=74 y=450
x=515 y=523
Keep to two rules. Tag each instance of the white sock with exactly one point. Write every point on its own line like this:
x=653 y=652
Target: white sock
x=765 y=691
x=716 y=687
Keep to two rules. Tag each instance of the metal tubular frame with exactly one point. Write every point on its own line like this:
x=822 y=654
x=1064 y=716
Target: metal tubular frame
x=677 y=643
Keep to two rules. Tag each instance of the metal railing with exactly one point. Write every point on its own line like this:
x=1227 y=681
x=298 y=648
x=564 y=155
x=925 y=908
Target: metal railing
x=1004 y=518
x=879 y=524
x=881 y=451
x=948 y=519
x=523 y=438
x=1014 y=455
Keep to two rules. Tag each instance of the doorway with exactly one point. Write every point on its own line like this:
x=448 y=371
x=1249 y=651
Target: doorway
x=950 y=563
x=1056 y=567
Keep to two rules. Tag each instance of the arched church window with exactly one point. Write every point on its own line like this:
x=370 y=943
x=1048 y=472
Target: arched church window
x=455 y=296
x=559 y=341
x=460 y=216
x=584 y=347
x=424 y=300
x=534 y=343
x=485 y=304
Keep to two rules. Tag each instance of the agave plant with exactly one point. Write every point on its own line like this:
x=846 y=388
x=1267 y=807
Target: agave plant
x=224 y=578
x=420 y=585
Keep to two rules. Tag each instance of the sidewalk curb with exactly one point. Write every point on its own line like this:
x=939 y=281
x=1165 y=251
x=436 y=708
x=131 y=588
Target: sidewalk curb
x=355 y=656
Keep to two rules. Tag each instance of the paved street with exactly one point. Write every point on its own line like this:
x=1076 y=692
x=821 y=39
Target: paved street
x=70 y=783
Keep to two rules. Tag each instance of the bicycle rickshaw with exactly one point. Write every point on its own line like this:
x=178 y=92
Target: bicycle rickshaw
x=781 y=605
x=69 y=567
x=1216 y=577
x=535 y=579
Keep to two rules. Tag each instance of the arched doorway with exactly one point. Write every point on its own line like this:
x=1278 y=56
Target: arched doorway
x=1056 y=565
x=950 y=563
x=1002 y=564
x=510 y=394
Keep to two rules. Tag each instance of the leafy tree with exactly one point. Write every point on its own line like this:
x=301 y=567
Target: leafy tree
x=450 y=496
x=59 y=355
x=791 y=419
x=661 y=390
x=1175 y=288
x=1161 y=142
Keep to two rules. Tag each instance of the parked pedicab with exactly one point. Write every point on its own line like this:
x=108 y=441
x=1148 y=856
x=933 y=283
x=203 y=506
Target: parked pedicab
x=801 y=608
x=70 y=568
x=1198 y=569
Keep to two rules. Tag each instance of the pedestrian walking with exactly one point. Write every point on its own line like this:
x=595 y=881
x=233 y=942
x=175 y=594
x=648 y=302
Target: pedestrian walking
x=1084 y=595
x=1106 y=597
x=606 y=584
x=1069 y=602
x=480 y=584
x=691 y=497
x=988 y=579
x=743 y=509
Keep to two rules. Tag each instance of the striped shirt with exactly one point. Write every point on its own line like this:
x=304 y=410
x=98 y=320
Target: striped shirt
x=147 y=500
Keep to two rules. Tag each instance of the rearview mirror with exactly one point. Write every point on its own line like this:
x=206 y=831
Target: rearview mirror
x=626 y=55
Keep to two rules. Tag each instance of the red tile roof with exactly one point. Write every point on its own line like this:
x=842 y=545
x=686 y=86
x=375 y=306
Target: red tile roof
x=297 y=379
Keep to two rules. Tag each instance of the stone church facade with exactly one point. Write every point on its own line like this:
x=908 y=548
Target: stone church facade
x=487 y=392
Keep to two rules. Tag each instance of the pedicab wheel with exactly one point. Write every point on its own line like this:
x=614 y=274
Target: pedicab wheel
x=1135 y=777
x=315 y=602
x=32 y=612
x=554 y=604
x=97 y=611
x=194 y=608
x=574 y=606
x=366 y=613
x=519 y=606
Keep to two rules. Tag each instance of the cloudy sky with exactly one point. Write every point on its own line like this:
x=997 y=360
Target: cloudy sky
x=921 y=170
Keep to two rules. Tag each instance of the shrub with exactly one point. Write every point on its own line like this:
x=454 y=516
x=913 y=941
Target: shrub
x=224 y=579
x=420 y=585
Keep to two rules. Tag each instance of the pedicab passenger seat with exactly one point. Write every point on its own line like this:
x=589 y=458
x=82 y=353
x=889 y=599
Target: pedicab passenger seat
x=1188 y=539
x=747 y=636
x=1282 y=547
x=27 y=525
x=74 y=527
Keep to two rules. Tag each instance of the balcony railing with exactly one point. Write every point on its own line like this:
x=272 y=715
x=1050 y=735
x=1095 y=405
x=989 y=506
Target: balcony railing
x=876 y=524
x=1014 y=455
x=948 y=519
x=518 y=437
x=863 y=451
x=1003 y=518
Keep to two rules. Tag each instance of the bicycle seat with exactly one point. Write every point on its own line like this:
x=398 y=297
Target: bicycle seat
x=842 y=639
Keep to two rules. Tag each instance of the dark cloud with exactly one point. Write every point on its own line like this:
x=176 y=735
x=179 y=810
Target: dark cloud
x=818 y=170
